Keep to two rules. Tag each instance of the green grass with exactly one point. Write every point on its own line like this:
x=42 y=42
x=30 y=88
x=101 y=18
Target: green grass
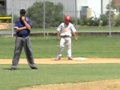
x=85 y=46
x=97 y=46
x=50 y=74
x=79 y=29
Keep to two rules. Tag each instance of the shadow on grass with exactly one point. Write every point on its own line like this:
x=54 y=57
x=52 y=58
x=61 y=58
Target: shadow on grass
x=17 y=69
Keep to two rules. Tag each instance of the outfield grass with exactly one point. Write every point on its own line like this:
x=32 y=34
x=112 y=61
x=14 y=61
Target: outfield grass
x=80 y=29
x=85 y=46
x=51 y=74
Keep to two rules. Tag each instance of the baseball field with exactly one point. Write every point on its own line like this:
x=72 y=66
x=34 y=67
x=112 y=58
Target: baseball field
x=95 y=65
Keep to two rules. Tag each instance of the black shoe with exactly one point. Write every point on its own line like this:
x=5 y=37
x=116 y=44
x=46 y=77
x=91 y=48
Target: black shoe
x=12 y=68
x=69 y=58
x=33 y=67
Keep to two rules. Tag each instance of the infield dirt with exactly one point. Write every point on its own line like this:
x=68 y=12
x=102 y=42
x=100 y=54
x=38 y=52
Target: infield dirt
x=78 y=60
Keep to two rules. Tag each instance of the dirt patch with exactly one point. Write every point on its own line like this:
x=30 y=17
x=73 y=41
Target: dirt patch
x=5 y=25
x=78 y=60
x=96 y=85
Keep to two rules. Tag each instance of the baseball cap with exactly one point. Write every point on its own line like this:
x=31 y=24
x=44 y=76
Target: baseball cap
x=22 y=11
x=67 y=19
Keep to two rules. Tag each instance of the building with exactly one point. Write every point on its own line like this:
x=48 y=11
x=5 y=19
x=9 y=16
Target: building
x=2 y=6
x=98 y=7
x=71 y=7
x=105 y=3
x=117 y=2
x=80 y=5
x=89 y=12
x=15 y=5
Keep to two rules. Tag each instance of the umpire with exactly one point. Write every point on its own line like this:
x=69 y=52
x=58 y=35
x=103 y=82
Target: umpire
x=22 y=27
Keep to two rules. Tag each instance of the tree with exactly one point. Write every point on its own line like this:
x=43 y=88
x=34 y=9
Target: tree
x=115 y=5
x=115 y=19
x=53 y=14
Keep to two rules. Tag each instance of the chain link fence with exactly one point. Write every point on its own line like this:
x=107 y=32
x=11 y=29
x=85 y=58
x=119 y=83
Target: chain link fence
x=12 y=7
x=77 y=9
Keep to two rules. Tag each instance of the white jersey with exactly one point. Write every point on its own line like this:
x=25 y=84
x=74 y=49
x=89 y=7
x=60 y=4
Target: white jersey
x=66 y=30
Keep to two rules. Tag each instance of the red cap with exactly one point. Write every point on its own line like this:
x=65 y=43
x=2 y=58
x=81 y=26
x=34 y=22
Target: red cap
x=67 y=19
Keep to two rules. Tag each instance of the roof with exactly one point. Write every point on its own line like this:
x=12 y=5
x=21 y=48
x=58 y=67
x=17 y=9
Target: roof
x=117 y=2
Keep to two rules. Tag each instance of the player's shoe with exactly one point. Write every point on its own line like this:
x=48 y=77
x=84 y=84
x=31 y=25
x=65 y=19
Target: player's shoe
x=33 y=67
x=59 y=58
x=69 y=58
x=12 y=68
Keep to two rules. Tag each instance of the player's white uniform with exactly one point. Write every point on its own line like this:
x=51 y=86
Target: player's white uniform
x=65 y=34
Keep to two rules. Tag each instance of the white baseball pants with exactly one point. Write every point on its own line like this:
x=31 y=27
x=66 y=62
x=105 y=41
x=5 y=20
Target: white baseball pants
x=65 y=41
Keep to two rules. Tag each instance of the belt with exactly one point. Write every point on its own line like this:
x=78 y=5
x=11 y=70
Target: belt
x=23 y=36
x=65 y=36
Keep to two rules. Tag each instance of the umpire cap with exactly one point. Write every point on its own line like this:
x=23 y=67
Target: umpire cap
x=22 y=12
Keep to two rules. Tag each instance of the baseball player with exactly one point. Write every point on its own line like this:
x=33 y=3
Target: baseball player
x=64 y=33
